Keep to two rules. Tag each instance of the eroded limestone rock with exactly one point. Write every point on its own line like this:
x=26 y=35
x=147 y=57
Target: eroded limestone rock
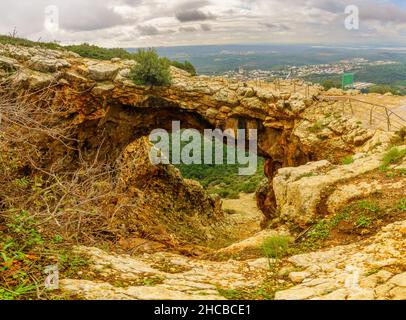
x=342 y=272
x=103 y=71
x=301 y=191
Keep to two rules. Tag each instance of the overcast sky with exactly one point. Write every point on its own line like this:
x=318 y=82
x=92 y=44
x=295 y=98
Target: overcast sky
x=135 y=23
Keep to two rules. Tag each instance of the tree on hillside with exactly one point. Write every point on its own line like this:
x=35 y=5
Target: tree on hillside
x=329 y=84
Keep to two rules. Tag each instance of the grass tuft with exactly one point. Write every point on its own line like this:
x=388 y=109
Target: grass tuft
x=276 y=247
x=402 y=204
x=393 y=156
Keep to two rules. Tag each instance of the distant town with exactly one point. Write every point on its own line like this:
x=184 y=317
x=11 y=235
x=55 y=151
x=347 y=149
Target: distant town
x=288 y=71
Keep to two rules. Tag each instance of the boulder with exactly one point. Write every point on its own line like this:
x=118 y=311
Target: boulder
x=102 y=89
x=399 y=280
x=298 y=277
x=38 y=80
x=8 y=64
x=296 y=294
x=300 y=191
x=335 y=92
x=103 y=71
x=46 y=64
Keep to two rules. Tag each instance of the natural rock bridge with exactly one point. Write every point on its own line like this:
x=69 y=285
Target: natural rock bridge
x=103 y=104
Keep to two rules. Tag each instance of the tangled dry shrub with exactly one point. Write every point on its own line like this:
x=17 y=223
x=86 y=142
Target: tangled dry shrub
x=35 y=144
x=57 y=191
x=44 y=208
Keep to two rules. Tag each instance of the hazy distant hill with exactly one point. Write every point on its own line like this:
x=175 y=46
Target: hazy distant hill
x=220 y=58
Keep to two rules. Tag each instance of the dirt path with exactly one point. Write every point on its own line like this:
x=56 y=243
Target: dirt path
x=246 y=217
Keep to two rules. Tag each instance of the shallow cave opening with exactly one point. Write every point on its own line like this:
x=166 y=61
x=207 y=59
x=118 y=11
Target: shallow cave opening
x=121 y=125
x=108 y=137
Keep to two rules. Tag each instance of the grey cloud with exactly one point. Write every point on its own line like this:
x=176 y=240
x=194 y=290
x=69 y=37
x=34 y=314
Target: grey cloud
x=88 y=16
x=187 y=29
x=148 y=30
x=121 y=22
x=369 y=9
x=205 y=27
x=332 y=6
x=276 y=27
x=74 y=15
x=153 y=31
x=383 y=13
x=131 y=3
x=193 y=15
x=192 y=5
x=27 y=18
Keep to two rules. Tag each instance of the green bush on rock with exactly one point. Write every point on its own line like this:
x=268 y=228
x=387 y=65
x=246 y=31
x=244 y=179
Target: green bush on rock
x=151 y=69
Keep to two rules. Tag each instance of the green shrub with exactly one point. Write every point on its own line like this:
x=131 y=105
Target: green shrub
x=393 y=156
x=187 y=66
x=276 y=247
x=222 y=179
x=228 y=194
x=94 y=52
x=382 y=89
x=320 y=231
x=28 y=43
x=329 y=84
x=151 y=69
x=249 y=187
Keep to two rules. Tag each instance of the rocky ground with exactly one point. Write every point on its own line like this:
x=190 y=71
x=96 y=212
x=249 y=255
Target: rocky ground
x=372 y=269
x=371 y=266
x=243 y=215
x=344 y=215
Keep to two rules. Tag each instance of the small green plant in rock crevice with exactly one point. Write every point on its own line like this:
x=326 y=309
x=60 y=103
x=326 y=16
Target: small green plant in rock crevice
x=371 y=272
x=318 y=126
x=364 y=222
x=306 y=175
x=342 y=216
x=368 y=206
x=320 y=231
x=402 y=204
x=276 y=247
x=348 y=160
x=264 y=291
